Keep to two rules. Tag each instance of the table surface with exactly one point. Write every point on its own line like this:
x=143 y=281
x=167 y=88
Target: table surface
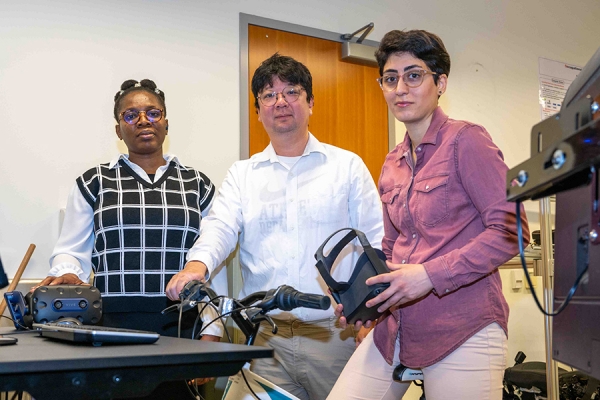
x=35 y=361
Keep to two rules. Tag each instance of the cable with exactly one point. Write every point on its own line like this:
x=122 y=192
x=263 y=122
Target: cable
x=197 y=395
x=524 y=265
x=220 y=317
x=17 y=322
x=248 y=384
x=193 y=387
x=179 y=322
x=198 y=317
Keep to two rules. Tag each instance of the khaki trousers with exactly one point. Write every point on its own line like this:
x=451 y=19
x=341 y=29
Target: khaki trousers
x=309 y=356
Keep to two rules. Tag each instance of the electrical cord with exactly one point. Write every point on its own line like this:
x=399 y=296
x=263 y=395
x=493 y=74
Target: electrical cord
x=248 y=384
x=179 y=322
x=195 y=395
x=198 y=317
x=18 y=323
x=193 y=387
x=220 y=317
x=231 y=341
x=524 y=265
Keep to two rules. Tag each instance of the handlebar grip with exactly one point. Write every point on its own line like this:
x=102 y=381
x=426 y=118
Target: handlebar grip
x=288 y=298
x=196 y=290
x=315 y=301
x=189 y=289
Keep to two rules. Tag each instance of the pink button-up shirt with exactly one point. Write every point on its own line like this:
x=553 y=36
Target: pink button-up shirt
x=447 y=211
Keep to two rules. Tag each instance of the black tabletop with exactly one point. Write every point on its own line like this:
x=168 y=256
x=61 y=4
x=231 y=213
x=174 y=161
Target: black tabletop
x=35 y=362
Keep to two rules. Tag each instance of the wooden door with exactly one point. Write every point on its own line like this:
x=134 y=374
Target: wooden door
x=349 y=112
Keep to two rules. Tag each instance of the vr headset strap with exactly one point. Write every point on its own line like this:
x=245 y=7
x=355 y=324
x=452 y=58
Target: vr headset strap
x=324 y=264
x=371 y=254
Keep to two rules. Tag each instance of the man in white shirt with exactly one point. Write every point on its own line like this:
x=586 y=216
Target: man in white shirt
x=280 y=205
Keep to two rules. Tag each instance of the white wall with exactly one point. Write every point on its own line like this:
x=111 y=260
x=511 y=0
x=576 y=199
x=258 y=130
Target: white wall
x=61 y=63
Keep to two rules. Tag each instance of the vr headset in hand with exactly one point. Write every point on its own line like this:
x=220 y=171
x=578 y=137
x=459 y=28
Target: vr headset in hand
x=53 y=303
x=355 y=293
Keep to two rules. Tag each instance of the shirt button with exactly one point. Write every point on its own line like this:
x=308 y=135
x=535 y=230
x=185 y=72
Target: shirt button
x=447 y=290
x=292 y=228
x=414 y=235
x=404 y=205
x=427 y=187
x=419 y=148
x=291 y=200
x=403 y=261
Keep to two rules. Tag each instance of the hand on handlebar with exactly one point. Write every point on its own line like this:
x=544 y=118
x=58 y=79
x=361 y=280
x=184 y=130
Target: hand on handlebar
x=193 y=270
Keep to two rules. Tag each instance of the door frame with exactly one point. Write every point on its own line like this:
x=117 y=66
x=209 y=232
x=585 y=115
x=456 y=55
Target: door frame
x=245 y=21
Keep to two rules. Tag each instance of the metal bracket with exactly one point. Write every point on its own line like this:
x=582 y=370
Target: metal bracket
x=367 y=29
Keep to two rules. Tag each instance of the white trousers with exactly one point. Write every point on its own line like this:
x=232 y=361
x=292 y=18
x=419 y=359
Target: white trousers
x=473 y=371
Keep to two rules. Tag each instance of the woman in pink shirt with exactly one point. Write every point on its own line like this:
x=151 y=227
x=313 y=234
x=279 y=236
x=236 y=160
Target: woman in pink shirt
x=448 y=227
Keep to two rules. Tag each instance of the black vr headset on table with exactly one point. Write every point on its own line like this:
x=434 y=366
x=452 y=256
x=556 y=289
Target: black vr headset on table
x=53 y=303
x=355 y=293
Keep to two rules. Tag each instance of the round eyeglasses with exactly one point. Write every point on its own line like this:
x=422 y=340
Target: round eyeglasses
x=412 y=79
x=133 y=116
x=290 y=94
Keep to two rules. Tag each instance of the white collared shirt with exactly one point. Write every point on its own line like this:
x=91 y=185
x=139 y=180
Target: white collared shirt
x=282 y=214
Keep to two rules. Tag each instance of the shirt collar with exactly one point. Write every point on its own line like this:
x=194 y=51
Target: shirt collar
x=125 y=157
x=438 y=119
x=313 y=146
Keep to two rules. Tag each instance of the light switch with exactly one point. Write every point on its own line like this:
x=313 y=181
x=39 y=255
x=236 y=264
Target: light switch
x=516 y=279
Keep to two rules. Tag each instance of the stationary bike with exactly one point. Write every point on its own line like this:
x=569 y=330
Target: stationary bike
x=405 y=374
x=248 y=313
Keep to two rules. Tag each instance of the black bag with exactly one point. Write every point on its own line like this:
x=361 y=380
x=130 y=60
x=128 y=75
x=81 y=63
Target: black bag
x=527 y=380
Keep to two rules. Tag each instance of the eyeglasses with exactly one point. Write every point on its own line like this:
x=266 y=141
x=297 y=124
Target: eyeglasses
x=133 y=116
x=412 y=79
x=290 y=94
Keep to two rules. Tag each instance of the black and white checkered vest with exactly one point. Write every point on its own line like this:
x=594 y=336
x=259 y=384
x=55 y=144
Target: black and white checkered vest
x=142 y=230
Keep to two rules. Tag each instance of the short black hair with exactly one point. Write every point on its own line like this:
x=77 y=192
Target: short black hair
x=145 y=85
x=287 y=70
x=421 y=44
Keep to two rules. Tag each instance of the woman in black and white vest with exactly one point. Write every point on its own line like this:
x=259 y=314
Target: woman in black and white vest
x=131 y=221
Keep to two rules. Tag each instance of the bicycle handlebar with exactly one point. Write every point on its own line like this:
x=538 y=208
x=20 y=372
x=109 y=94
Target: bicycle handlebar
x=250 y=311
x=285 y=297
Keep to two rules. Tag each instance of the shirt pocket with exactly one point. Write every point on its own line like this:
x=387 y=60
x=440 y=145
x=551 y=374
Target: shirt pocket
x=390 y=199
x=329 y=205
x=431 y=199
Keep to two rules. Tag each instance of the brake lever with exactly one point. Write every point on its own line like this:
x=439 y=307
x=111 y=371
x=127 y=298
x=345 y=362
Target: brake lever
x=268 y=302
x=272 y=323
x=185 y=304
x=170 y=308
x=256 y=316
